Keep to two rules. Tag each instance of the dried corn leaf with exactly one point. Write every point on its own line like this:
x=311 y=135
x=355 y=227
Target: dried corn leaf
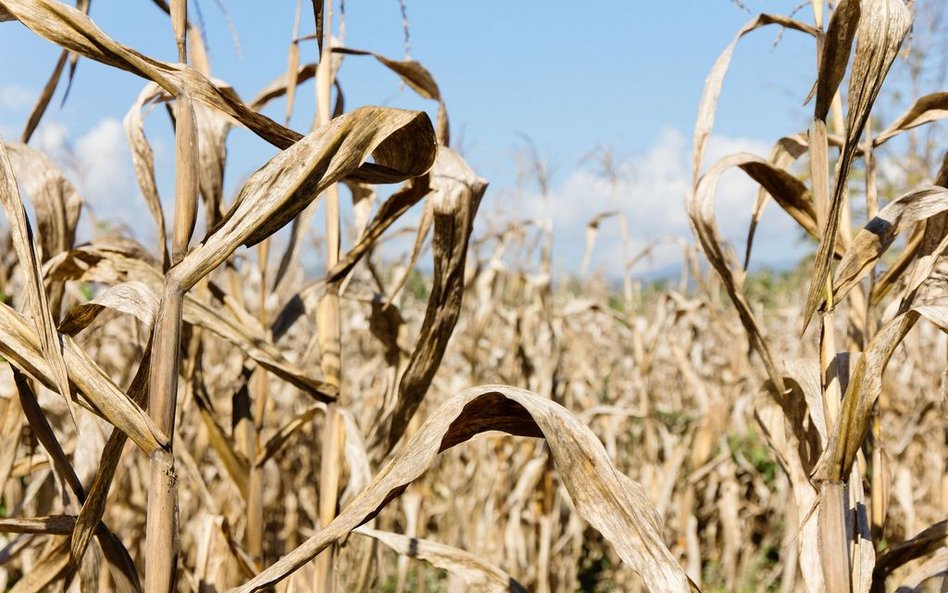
x=22 y=237
x=280 y=86
x=144 y=161
x=56 y=202
x=73 y=30
x=472 y=570
x=132 y=298
x=873 y=240
x=84 y=6
x=457 y=193
x=237 y=466
x=712 y=86
x=834 y=55
x=421 y=235
x=613 y=503
x=45 y=435
x=20 y=346
x=390 y=211
x=784 y=153
x=275 y=443
x=42 y=102
x=401 y=142
x=55 y=525
x=882 y=26
x=929 y=108
x=864 y=388
x=122 y=264
x=929 y=540
x=788 y=191
x=108 y=261
x=418 y=78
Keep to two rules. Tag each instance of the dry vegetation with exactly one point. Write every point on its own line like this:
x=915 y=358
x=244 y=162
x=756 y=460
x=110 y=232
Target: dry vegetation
x=310 y=433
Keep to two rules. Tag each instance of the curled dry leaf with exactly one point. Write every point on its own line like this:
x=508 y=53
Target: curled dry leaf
x=784 y=153
x=788 y=191
x=133 y=298
x=712 y=86
x=457 y=193
x=55 y=525
x=417 y=77
x=390 y=211
x=834 y=55
x=612 y=503
x=929 y=108
x=472 y=570
x=873 y=240
x=401 y=142
x=143 y=159
x=926 y=542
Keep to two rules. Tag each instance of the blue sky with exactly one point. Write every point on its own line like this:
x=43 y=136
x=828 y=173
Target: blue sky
x=570 y=76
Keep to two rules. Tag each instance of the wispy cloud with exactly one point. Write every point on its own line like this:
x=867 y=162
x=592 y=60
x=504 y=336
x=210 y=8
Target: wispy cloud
x=14 y=96
x=652 y=189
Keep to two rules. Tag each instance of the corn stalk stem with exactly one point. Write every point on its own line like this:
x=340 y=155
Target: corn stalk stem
x=260 y=386
x=328 y=325
x=161 y=537
x=833 y=542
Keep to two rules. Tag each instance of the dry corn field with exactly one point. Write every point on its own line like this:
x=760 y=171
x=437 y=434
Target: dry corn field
x=205 y=413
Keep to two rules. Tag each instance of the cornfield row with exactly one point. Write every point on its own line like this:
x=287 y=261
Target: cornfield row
x=322 y=433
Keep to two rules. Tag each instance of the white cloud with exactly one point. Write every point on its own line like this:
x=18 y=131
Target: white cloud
x=105 y=165
x=14 y=96
x=100 y=165
x=652 y=191
x=52 y=137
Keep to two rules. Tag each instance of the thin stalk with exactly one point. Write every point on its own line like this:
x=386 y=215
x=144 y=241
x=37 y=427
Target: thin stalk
x=328 y=325
x=179 y=24
x=161 y=528
x=627 y=260
x=260 y=386
x=833 y=548
x=186 y=177
x=161 y=534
